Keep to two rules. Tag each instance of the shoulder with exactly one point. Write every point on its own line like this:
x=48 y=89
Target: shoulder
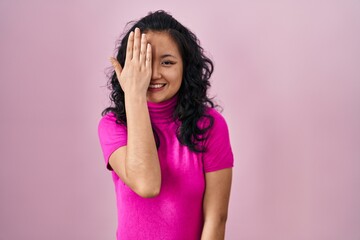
x=219 y=121
x=108 y=121
x=109 y=117
x=213 y=112
x=218 y=153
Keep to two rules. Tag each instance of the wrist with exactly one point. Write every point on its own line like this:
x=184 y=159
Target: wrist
x=135 y=98
x=134 y=91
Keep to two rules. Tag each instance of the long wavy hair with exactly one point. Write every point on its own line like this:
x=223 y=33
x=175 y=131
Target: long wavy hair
x=192 y=96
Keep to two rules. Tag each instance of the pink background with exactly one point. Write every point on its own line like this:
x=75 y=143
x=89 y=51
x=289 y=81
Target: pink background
x=286 y=72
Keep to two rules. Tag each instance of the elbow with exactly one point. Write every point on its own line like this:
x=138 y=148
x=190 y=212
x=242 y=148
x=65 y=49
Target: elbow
x=148 y=190
x=217 y=220
x=223 y=218
x=149 y=194
x=145 y=185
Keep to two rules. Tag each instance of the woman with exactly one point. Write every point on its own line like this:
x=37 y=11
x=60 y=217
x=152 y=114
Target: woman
x=166 y=145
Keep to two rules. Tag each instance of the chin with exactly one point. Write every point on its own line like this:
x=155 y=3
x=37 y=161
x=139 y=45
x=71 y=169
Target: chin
x=155 y=99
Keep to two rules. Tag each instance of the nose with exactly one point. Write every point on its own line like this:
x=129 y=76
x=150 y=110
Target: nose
x=155 y=72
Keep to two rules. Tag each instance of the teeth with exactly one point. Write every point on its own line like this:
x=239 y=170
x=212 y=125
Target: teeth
x=159 y=85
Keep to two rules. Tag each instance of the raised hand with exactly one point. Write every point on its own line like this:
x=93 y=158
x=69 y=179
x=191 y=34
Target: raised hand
x=137 y=163
x=135 y=77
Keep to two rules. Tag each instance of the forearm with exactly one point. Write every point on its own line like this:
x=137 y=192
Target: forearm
x=142 y=167
x=213 y=230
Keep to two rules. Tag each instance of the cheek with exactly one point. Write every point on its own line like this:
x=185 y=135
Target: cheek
x=176 y=78
x=178 y=82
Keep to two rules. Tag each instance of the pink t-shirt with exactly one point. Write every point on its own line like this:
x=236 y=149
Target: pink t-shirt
x=177 y=212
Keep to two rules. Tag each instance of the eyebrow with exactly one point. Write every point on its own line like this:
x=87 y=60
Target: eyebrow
x=167 y=55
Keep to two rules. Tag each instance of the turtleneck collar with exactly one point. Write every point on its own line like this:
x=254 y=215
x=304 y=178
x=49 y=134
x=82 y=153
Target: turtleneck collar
x=163 y=111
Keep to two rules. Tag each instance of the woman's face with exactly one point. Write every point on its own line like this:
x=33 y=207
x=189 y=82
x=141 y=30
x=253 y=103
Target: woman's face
x=167 y=67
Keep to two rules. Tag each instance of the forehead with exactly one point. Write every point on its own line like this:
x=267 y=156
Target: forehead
x=162 y=42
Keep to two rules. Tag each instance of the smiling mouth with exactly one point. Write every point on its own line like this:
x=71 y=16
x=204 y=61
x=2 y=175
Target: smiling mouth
x=157 y=85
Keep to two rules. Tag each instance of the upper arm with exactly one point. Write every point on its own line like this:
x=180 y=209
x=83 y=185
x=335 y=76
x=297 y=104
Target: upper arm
x=113 y=141
x=218 y=162
x=218 y=153
x=117 y=162
x=217 y=194
x=215 y=205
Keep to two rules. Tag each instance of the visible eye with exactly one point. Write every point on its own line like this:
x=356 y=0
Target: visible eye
x=167 y=63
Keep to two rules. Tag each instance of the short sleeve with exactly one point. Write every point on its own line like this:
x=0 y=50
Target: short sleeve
x=111 y=136
x=218 y=153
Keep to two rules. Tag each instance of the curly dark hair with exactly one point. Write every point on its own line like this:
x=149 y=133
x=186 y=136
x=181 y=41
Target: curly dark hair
x=192 y=96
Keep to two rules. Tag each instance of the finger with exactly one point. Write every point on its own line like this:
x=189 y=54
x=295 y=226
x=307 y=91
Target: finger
x=129 y=47
x=148 y=61
x=136 y=48
x=116 y=66
x=143 y=49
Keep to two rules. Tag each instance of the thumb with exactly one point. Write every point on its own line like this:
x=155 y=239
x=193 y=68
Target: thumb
x=117 y=66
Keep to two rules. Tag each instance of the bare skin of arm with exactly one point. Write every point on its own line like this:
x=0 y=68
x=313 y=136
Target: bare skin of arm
x=137 y=164
x=216 y=202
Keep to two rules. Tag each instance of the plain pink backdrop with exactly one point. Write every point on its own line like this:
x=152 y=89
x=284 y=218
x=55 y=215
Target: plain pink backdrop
x=286 y=73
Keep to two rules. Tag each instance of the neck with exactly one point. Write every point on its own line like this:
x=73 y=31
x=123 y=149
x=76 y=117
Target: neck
x=163 y=111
